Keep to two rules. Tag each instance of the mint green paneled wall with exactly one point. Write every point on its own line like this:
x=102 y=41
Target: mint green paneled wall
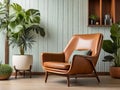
x=61 y=19
x=2 y=39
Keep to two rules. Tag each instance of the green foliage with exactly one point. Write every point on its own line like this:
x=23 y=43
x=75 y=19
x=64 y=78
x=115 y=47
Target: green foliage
x=21 y=25
x=5 y=69
x=4 y=14
x=93 y=17
x=113 y=46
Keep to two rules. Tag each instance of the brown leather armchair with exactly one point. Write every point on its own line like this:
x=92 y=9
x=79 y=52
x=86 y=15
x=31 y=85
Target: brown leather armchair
x=58 y=63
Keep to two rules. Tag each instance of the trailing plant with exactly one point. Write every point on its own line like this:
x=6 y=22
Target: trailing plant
x=112 y=46
x=22 y=24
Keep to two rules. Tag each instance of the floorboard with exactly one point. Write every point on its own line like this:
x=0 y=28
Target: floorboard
x=59 y=83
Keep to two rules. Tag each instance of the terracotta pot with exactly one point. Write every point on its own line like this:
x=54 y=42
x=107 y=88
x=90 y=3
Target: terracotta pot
x=115 y=72
x=5 y=77
x=22 y=62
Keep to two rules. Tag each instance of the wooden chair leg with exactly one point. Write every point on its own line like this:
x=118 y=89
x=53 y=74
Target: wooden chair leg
x=30 y=71
x=46 y=77
x=24 y=73
x=15 y=72
x=76 y=77
x=68 y=80
x=96 y=76
x=30 y=74
x=95 y=72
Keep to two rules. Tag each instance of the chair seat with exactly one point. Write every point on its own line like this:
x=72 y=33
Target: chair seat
x=57 y=65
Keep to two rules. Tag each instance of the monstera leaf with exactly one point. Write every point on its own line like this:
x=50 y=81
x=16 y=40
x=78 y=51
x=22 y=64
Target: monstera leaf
x=33 y=16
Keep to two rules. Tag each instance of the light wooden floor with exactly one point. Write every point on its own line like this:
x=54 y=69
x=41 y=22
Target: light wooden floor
x=59 y=83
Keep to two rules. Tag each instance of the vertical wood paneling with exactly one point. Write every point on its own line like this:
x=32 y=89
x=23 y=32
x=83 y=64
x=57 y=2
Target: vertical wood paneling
x=70 y=18
x=61 y=19
x=81 y=15
x=75 y=16
x=35 y=51
x=85 y=16
x=2 y=46
x=60 y=25
x=65 y=23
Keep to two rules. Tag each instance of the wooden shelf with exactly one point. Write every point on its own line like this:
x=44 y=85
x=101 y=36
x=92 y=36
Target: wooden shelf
x=99 y=25
x=101 y=8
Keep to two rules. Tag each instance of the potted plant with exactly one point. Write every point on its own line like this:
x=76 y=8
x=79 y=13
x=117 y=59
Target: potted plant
x=112 y=46
x=22 y=26
x=5 y=71
x=93 y=19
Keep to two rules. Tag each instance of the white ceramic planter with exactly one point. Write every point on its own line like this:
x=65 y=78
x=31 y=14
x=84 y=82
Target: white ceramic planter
x=22 y=62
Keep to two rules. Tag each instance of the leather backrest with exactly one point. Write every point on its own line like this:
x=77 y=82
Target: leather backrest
x=91 y=42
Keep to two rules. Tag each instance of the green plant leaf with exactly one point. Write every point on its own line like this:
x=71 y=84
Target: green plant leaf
x=108 y=46
x=33 y=16
x=15 y=28
x=115 y=30
x=108 y=58
x=93 y=17
x=37 y=29
x=16 y=7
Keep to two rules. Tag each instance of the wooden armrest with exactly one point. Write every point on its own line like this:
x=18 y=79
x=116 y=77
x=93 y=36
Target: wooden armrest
x=57 y=57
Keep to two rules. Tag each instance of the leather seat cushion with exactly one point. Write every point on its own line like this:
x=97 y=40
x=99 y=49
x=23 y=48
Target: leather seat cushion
x=57 y=65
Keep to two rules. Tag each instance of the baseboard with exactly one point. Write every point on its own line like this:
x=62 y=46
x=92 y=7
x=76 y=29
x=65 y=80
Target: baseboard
x=103 y=73
x=42 y=73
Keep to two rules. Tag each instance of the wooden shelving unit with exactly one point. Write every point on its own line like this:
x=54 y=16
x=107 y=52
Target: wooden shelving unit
x=99 y=25
x=101 y=8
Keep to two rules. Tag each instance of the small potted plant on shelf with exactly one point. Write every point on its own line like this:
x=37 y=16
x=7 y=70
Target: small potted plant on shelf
x=22 y=26
x=5 y=71
x=112 y=46
x=93 y=19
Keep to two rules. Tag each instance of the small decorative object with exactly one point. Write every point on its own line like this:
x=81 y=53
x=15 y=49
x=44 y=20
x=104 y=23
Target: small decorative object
x=5 y=71
x=97 y=23
x=93 y=19
x=107 y=20
x=112 y=46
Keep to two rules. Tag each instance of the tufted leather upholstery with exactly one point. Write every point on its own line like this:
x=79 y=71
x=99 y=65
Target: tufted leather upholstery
x=58 y=62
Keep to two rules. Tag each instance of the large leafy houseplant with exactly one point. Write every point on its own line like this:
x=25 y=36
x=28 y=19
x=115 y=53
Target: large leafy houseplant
x=112 y=46
x=22 y=24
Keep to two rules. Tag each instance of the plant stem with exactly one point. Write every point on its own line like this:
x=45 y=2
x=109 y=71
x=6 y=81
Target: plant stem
x=21 y=50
